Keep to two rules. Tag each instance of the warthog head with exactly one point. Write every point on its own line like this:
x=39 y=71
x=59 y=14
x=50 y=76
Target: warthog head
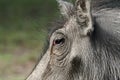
x=86 y=47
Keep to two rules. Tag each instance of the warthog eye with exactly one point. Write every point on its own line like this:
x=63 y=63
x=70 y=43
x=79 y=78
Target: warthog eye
x=58 y=41
x=60 y=47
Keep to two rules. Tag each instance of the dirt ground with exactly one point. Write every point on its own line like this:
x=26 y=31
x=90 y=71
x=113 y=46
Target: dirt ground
x=18 y=64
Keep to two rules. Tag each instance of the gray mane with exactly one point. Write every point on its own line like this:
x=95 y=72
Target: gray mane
x=103 y=4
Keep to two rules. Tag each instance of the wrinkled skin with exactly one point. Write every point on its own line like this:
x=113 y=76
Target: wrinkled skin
x=87 y=47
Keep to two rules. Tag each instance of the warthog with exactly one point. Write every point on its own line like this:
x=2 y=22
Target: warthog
x=86 y=46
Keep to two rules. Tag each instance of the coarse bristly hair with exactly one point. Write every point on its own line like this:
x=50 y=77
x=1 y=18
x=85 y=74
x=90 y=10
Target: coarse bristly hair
x=100 y=60
x=105 y=61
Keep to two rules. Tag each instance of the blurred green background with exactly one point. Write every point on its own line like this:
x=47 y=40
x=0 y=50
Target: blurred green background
x=23 y=30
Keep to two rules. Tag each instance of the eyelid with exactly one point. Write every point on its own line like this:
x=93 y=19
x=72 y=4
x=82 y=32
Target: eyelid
x=58 y=35
x=58 y=32
x=55 y=33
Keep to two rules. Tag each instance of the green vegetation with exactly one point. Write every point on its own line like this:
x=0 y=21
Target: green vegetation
x=23 y=30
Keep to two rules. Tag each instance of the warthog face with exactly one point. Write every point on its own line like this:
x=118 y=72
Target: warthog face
x=81 y=50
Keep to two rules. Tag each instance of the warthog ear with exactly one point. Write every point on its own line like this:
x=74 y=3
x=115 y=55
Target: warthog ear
x=83 y=14
x=66 y=8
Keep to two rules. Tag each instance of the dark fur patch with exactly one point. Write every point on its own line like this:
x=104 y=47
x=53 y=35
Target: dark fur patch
x=77 y=67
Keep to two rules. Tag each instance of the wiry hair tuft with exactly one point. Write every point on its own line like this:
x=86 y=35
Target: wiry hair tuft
x=66 y=8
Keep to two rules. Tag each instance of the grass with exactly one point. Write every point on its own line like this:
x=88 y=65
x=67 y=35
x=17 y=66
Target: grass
x=20 y=48
x=13 y=78
x=13 y=68
x=22 y=35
